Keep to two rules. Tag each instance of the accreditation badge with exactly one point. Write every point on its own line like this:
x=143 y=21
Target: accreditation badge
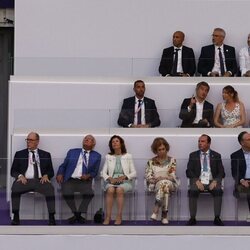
x=205 y=178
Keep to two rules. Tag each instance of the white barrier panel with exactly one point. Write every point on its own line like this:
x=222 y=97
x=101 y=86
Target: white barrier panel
x=138 y=142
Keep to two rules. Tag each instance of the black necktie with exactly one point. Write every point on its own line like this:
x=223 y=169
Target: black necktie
x=222 y=69
x=175 y=63
x=139 y=112
x=35 y=165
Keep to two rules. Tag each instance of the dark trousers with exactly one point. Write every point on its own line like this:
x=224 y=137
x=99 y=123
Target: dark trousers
x=70 y=187
x=34 y=185
x=242 y=189
x=194 y=193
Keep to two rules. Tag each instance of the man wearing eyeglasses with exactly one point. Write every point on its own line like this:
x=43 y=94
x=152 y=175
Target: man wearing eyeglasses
x=32 y=169
x=217 y=59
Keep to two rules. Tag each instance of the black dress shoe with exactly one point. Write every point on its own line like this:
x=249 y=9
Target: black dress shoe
x=218 y=222
x=52 y=221
x=81 y=219
x=191 y=222
x=15 y=222
x=72 y=220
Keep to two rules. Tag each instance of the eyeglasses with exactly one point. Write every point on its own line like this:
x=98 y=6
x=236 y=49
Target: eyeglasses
x=30 y=140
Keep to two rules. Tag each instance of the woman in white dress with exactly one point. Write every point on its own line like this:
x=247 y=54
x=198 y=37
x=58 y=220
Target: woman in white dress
x=118 y=172
x=161 y=178
x=230 y=113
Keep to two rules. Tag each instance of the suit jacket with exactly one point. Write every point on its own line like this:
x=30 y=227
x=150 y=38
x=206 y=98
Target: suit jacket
x=238 y=166
x=194 y=166
x=188 y=117
x=244 y=60
x=206 y=60
x=127 y=166
x=70 y=162
x=127 y=113
x=188 y=61
x=21 y=162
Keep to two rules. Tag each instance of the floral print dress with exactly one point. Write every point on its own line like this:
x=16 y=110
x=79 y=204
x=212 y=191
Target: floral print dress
x=156 y=169
x=230 y=117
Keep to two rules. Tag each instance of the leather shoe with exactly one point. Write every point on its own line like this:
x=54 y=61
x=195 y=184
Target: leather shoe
x=52 y=221
x=218 y=222
x=81 y=219
x=72 y=220
x=191 y=222
x=15 y=222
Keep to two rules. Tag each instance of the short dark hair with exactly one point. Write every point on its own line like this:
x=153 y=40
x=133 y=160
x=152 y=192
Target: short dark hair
x=158 y=141
x=202 y=84
x=240 y=136
x=123 y=147
x=137 y=81
x=208 y=138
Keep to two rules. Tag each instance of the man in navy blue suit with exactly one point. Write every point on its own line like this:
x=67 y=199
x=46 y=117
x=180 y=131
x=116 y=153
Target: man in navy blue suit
x=32 y=169
x=217 y=59
x=139 y=111
x=76 y=173
x=177 y=60
x=240 y=166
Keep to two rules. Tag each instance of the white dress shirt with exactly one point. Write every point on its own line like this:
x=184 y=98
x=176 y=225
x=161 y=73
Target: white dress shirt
x=78 y=170
x=199 y=111
x=217 y=59
x=179 y=62
x=30 y=170
x=208 y=163
x=143 y=121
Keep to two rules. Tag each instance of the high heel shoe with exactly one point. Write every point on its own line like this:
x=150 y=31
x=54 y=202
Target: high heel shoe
x=118 y=221
x=106 y=221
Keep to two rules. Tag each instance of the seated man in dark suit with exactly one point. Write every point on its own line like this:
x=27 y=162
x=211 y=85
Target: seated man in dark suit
x=205 y=172
x=32 y=169
x=196 y=111
x=177 y=60
x=240 y=166
x=76 y=173
x=139 y=111
x=217 y=59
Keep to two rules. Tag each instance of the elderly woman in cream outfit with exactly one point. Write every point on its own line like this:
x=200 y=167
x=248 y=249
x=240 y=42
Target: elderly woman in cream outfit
x=118 y=172
x=161 y=178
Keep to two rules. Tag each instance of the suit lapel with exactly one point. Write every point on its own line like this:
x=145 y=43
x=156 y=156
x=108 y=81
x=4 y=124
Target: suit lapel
x=212 y=160
x=199 y=160
x=226 y=52
x=204 y=110
x=243 y=160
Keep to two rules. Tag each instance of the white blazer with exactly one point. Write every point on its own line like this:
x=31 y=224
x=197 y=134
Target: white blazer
x=127 y=166
x=244 y=60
